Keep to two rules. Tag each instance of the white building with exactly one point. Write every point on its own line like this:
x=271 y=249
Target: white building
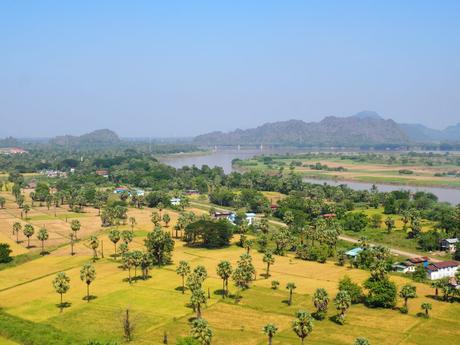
x=439 y=270
x=175 y=201
x=449 y=244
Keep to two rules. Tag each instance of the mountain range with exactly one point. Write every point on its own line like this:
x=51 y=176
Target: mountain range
x=364 y=128
x=100 y=136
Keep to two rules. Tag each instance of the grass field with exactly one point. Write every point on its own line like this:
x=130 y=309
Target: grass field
x=27 y=298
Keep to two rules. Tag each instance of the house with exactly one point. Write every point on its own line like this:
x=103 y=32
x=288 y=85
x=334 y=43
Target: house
x=403 y=267
x=192 y=192
x=439 y=270
x=329 y=215
x=103 y=173
x=449 y=244
x=120 y=190
x=139 y=192
x=175 y=201
x=353 y=253
x=220 y=215
x=250 y=217
x=412 y=263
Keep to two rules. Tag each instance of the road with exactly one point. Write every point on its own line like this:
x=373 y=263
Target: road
x=342 y=237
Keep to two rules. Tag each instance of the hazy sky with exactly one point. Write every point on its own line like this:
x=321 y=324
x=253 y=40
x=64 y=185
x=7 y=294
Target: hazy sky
x=178 y=68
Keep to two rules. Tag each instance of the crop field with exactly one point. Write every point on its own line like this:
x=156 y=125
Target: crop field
x=421 y=175
x=158 y=307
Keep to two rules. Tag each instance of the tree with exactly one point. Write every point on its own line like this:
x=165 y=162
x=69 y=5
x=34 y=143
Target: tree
x=390 y=224
x=166 y=219
x=136 y=256
x=275 y=284
x=268 y=259
x=406 y=292
x=361 y=341
x=126 y=236
x=16 y=228
x=436 y=285
x=201 y=331
x=270 y=331
x=128 y=326
x=381 y=293
x=155 y=218
x=197 y=299
x=224 y=271
x=321 y=302
x=132 y=222
x=94 y=244
x=342 y=302
x=5 y=252
x=28 y=232
x=426 y=307
x=419 y=274
x=354 y=290
x=355 y=221
x=302 y=325
x=2 y=201
x=291 y=287
x=160 y=245
x=26 y=208
x=376 y=220
x=61 y=284
x=75 y=226
x=244 y=272
x=208 y=233
x=43 y=236
x=114 y=237
x=87 y=275
x=248 y=245
x=183 y=269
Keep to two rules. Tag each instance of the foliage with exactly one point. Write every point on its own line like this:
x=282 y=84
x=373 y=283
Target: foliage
x=381 y=293
x=160 y=245
x=353 y=289
x=5 y=252
x=302 y=325
x=211 y=234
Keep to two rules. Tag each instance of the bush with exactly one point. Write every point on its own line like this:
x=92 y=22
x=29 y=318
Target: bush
x=5 y=252
x=354 y=290
x=187 y=341
x=404 y=310
x=382 y=293
x=212 y=234
x=355 y=221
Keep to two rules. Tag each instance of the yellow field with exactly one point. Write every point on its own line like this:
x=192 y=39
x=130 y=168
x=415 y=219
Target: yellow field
x=158 y=307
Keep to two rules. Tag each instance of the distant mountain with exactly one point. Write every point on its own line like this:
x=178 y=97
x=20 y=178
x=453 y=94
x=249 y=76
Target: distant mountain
x=98 y=137
x=421 y=134
x=367 y=114
x=365 y=128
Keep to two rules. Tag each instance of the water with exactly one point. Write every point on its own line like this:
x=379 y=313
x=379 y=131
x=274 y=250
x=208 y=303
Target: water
x=224 y=159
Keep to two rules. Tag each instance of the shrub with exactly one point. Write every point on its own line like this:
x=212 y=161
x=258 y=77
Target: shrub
x=382 y=293
x=354 y=290
x=5 y=252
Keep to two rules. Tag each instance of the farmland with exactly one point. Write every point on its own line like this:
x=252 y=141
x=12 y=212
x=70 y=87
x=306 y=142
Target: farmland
x=158 y=306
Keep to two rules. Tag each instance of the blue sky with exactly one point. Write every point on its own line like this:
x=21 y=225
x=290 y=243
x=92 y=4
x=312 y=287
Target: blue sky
x=178 y=68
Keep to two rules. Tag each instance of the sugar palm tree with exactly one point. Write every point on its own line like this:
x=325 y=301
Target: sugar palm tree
x=270 y=331
x=321 y=302
x=43 y=236
x=61 y=284
x=291 y=287
x=406 y=292
x=166 y=219
x=426 y=307
x=26 y=208
x=342 y=302
x=87 y=275
x=302 y=325
x=132 y=222
x=94 y=244
x=75 y=226
x=114 y=237
x=268 y=259
x=183 y=269
x=16 y=228
x=197 y=299
x=201 y=331
x=224 y=271
x=28 y=232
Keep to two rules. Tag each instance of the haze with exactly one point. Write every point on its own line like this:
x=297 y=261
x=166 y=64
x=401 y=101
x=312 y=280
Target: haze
x=181 y=68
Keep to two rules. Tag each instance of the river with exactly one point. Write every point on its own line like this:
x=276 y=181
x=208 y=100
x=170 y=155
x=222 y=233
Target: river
x=224 y=159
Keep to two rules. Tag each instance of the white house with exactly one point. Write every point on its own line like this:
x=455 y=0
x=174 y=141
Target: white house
x=250 y=217
x=175 y=201
x=449 y=244
x=439 y=270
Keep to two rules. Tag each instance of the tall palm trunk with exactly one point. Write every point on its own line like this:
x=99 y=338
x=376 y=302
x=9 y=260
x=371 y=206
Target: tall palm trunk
x=87 y=292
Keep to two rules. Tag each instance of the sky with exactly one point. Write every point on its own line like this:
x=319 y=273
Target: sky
x=182 y=68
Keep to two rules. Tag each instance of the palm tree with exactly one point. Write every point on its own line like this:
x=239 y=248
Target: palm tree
x=94 y=244
x=269 y=259
x=61 y=284
x=270 y=331
x=28 y=232
x=26 y=208
x=291 y=287
x=75 y=226
x=126 y=236
x=201 y=331
x=155 y=218
x=224 y=271
x=132 y=221
x=437 y=284
x=342 y=302
x=114 y=237
x=197 y=299
x=87 y=275
x=426 y=307
x=72 y=240
x=16 y=228
x=166 y=219
x=321 y=302
x=160 y=208
x=361 y=341
x=43 y=236
x=183 y=269
x=248 y=245
x=406 y=292
x=275 y=284
x=2 y=201
x=302 y=325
